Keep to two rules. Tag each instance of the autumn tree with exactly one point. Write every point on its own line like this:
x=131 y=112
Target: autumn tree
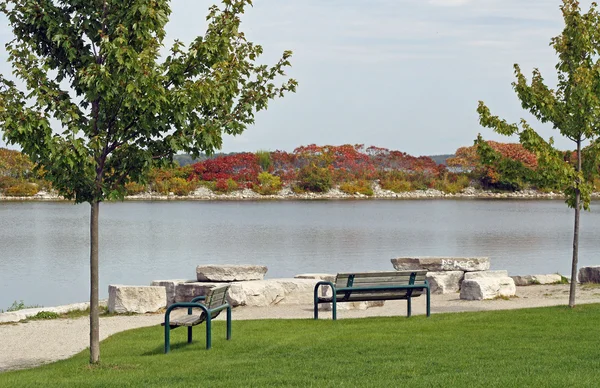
x=573 y=108
x=102 y=104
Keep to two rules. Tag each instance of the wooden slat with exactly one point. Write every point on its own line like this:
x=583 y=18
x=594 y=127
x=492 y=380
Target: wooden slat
x=362 y=281
x=186 y=320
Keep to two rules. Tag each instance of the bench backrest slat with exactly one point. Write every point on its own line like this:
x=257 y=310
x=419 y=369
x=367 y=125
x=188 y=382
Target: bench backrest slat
x=379 y=279
x=216 y=297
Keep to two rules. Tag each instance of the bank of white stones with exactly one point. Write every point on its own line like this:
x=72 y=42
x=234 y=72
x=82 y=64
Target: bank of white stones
x=202 y=193
x=468 y=277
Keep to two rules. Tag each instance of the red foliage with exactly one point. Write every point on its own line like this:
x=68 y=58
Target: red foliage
x=467 y=157
x=243 y=168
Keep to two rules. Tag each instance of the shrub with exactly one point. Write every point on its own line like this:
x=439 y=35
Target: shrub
x=314 y=178
x=267 y=184
x=45 y=315
x=180 y=186
x=452 y=183
x=22 y=189
x=397 y=185
x=357 y=187
x=134 y=188
x=20 y=305
x=264 y=160
x=225 y=185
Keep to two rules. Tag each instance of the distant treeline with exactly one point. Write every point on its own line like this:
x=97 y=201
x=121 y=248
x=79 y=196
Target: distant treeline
x=312 y=168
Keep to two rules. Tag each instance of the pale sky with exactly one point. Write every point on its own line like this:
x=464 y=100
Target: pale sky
x=399 y=74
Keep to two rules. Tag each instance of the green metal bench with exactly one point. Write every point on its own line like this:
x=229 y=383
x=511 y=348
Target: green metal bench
x=370 y=286
x=215 y=301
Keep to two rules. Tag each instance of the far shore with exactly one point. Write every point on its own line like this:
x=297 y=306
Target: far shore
x=204 y=194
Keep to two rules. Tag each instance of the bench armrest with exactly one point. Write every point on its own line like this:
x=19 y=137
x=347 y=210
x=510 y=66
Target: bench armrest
x=189 y=306
x=201 y=297
x=323 y=283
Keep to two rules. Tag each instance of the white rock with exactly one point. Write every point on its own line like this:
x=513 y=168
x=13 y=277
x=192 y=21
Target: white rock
x=436 y=264
x=230 y=273
x=445 y=282
x=589 y=274
x=271 y=292
x=136 y=299
x=487 y=288
x=485 y=274
x=528 y=280
x=319 y=276
x=170 y=286
x=185 y=292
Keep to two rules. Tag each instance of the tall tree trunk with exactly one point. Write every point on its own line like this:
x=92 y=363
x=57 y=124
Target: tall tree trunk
x=573 y=286
x=94 y=313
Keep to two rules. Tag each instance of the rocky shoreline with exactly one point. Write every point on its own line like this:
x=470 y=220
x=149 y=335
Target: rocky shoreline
x=203 y=194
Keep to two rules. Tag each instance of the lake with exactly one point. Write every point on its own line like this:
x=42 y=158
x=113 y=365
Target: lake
x=44 y=246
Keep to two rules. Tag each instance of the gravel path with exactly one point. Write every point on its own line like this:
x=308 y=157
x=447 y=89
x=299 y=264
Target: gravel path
x=29 y=344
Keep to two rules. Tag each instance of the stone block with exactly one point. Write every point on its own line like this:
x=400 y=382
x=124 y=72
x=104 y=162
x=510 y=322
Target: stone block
x=445 y=282
x=487 y=288
x=437 y=264
x=136 y=299
x=185 y=292
x=528 y=280
x=589 y=274
x=319 y=276
x=230 y=273
x=271 y=292
x=486 y=274
x=169 y=286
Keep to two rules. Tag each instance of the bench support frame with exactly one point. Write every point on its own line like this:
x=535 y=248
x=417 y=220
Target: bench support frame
x=350 y=290
x=208 y=314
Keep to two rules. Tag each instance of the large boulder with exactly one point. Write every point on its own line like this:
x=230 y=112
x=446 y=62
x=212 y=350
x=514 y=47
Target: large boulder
x=185 y=292
x=136 y=299
x=170 y=286
x=445 y=282
x=436 y=264
x=487 y=288
x=528 y=280
x=271 y=292
x=230 y=273
x=486 y=274
x=589 y=274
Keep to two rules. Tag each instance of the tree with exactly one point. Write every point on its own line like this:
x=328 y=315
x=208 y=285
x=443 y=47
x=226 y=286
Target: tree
x=573 y=109
x=102 y=105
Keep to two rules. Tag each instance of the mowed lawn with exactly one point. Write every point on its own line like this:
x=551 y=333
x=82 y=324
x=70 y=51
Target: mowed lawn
x=544 y=347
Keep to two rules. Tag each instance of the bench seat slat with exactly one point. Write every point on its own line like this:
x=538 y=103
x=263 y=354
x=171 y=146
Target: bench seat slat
x=186 y=320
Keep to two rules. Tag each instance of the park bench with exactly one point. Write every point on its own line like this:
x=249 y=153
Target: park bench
x=370 y=286
x=214 y=302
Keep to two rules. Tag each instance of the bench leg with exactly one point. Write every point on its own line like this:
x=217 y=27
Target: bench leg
x=189 y=334
x=428 y=302
x=167 y=339
x=408 y=307
x=334 y=307
x=228 y=323
x=208 y=331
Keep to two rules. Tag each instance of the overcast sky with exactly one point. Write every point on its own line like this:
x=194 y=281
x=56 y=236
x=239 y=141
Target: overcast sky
x=399 y=74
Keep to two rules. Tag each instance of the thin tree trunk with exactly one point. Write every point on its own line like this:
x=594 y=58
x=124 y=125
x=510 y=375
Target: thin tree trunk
x=573 y=286
x=94 y=313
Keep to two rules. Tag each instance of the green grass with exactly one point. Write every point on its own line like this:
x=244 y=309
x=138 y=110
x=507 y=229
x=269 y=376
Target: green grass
x=545 y=347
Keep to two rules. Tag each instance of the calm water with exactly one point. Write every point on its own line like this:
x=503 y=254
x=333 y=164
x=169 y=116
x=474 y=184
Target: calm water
x=44 y=249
